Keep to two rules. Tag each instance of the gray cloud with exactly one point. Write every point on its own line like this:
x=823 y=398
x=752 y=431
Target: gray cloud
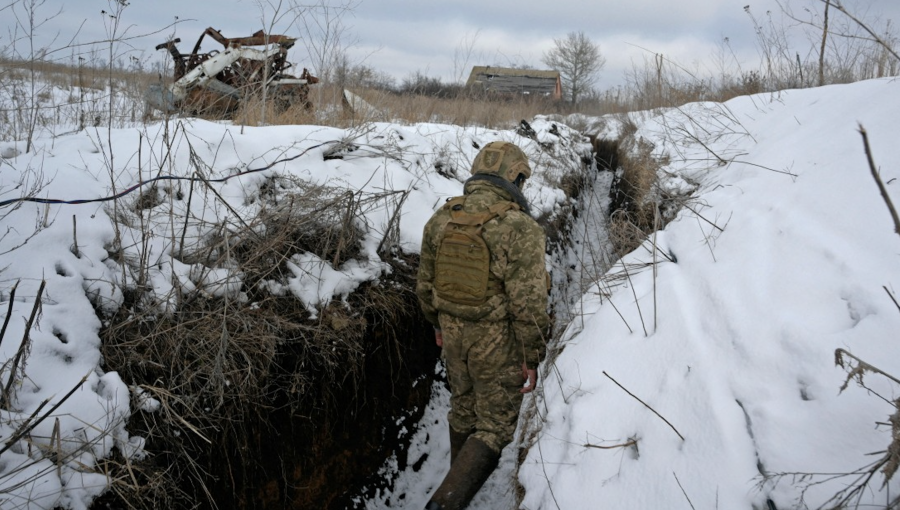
x=403 y=36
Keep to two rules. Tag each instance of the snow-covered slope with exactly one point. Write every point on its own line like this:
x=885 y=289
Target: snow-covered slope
x=155 y=249
x=787 y=253
x=781 y=258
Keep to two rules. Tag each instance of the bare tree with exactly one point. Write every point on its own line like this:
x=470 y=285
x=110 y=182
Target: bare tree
x=881 y=41
x=326 y=34
x=849 y=47
x=462 y=55
x=578 y=61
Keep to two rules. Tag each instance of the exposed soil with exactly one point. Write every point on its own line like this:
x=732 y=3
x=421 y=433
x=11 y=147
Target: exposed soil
x=320 y=458
x=310 y=442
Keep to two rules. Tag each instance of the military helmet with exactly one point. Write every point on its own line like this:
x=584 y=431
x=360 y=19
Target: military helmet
x=503 y=159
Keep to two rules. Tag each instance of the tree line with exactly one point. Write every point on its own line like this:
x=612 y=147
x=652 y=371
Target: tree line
x=575 y=56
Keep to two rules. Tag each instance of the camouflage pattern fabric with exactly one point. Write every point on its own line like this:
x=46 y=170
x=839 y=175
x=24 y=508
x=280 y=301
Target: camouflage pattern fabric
x=501 y=158
x=485 y=375
x=485 y=345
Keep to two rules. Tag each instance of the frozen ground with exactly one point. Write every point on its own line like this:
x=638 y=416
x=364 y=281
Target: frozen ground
x=786 y=254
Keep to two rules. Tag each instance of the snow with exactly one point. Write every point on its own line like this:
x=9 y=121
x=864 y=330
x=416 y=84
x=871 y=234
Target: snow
x=786 y=253
x=741 y=330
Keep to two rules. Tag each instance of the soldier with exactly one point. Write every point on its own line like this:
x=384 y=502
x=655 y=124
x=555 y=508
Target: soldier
x=482 y=283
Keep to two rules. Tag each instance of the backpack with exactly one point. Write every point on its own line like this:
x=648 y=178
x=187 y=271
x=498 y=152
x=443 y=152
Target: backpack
x=462 y=264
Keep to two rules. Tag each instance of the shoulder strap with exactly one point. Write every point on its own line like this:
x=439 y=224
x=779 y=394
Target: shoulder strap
x=501 y=208
x=460 y=217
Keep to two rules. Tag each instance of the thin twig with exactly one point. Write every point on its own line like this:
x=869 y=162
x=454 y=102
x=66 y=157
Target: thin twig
x=785 y=172
x=655 y=268
x=616 y=308
x=75 y=236
x=645 y=404
x=22 y=431
x=187 y=216
x=12 y=300
x=708 y=238
x=634 y=292
x=682 y=490
x=544 y=468
x=393 y=222
x=881 y=187
x=875 y=37
x=220 y=197
x=25 y=423
x=689 y=208
x=822 y=49
x=7 y=397
x=839 y=360
x=57 y=436
x=884 y=287
x=623 y=445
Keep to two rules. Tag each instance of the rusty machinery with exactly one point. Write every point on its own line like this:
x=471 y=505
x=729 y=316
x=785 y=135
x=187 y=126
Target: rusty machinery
x=218 y=82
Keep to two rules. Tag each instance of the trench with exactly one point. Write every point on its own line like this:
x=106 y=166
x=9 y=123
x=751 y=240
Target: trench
x=581 y=249
x=323 y=450
x=315 y=449
x=322 y=455
x=321 y=458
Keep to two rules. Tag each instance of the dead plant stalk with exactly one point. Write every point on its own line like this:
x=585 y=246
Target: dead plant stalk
x=21 y=353
x=636 y=302
x=645 y=404
x=12 y=301
x=878 y=181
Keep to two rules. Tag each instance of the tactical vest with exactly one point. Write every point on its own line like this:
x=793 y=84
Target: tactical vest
x=463 y=260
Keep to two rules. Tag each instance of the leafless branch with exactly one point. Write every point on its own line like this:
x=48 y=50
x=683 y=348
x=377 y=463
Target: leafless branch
x=881 y=186
x=890 y=295
x=837 y=5
x=860 y=368
x=611 y=447
x=12 y=300
x=645 y=404
x=682 y=490
x=23 y=348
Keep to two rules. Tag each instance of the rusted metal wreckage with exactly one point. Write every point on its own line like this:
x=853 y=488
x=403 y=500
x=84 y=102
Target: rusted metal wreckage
x=218 y=82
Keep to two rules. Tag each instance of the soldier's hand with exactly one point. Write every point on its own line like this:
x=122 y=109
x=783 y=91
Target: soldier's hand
x=439 y=338
x=530 y=376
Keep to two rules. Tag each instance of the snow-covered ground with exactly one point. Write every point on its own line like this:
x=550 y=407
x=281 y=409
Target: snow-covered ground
x=784 y=256
x=163 y=222
x=786 y=253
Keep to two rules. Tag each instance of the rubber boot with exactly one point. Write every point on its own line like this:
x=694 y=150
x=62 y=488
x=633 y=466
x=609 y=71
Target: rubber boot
x=468 y=472
x=457 y=440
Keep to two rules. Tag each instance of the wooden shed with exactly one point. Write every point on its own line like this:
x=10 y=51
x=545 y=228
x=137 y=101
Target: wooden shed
x=507 y=80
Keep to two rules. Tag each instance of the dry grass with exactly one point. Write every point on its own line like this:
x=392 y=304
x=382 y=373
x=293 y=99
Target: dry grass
x=39 y=96
x=788 y=45
x=867 y=480
x=67 y=75
x=219 y=363
x=634 y=210
x=331 y=110
x=658 y=82
x=474 y=110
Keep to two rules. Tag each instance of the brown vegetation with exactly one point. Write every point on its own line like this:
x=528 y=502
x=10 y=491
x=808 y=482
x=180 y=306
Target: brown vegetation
x=260 y=402
x=259 y=391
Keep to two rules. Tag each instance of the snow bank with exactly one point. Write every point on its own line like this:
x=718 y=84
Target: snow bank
x=185 y=187
x=783 y=257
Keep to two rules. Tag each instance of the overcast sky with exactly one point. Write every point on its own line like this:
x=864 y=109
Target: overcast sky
x=401 y=37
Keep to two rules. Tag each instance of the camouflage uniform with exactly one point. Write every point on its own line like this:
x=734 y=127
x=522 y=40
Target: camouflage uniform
x=484 y=346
